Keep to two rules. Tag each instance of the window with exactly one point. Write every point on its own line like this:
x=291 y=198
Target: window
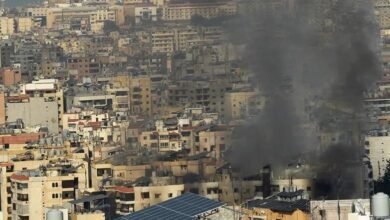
x=100 y=172
x=157 y=195
x=145 y=195
x=20 y=197
x=68 y=195
x=170 y=195
x=68 y=184
x=54 y=185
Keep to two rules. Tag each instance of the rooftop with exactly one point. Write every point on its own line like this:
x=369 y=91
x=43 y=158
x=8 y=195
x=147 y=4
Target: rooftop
x=188 y=206
x=281 y=206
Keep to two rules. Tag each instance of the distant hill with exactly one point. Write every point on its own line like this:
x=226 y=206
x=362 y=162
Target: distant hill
x=18 y=3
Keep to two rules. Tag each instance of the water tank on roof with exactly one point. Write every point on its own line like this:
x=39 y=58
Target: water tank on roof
x=54 y=214
x=380 y=205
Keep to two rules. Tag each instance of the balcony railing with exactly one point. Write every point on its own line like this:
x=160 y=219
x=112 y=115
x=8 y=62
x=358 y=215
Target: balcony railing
x=22 y=209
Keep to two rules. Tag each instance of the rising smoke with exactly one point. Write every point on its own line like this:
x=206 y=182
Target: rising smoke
x=312 y=60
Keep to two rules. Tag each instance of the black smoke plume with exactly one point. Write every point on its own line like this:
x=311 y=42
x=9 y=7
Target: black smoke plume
x=312 y=60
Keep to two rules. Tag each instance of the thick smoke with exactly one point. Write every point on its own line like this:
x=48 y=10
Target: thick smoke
x=312 y=60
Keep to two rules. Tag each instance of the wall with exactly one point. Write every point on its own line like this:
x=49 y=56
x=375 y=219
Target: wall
x=35 y=112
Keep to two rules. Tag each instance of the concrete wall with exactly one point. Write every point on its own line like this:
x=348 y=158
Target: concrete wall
x=36 y=111
x=379 y=153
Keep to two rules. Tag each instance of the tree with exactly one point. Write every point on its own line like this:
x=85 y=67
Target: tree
x=383 y=183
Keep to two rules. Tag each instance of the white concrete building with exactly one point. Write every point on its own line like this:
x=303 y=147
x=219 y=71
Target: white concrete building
x=378 y=148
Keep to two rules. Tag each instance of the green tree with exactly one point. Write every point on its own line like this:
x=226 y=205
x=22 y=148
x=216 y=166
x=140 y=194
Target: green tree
x=383 y=183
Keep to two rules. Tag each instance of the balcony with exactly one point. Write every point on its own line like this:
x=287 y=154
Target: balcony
x=22 y=197
x=137 y=96
x=22 y=210
x=125 y=209
x=137 y=89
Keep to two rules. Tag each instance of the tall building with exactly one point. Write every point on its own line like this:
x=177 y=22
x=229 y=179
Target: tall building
x=7 y=26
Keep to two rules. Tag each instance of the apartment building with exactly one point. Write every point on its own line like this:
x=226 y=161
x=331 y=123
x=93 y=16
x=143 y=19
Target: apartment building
x=7 y=169
x=14 y=144
x=174 y=39
x=80 y=18
x=102 y=172
x=98 y=17
x=84 y=66
x=241 y=104
x=185 y=11
x=382 y=9
x=35 y=190
x=138 y=13
x=7 y=26
x=6 y=50
x=26 y=58
x=161 y=141
x=163 y=41
x=131 y=199
x=210 y=94
x=51 y=90
x=9 y=76
x=23 y=24
x=37 y=11
x=141 y=95
x=93 y=100
x=378 y=152
x=214 y=140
